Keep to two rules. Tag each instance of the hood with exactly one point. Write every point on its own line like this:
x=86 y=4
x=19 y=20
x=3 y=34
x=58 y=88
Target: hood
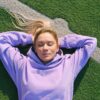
x=37 y=63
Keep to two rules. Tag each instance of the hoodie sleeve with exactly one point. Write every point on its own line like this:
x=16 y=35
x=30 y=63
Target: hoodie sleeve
x=85 y=47
x=10 y=56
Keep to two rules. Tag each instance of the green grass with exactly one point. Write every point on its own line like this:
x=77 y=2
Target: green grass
x=87 y=84
x=84 y=18
x=5 y=21
x=8 y=90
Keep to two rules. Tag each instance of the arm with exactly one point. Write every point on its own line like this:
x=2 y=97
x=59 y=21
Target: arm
x=15 y=38
x=85 y=47
x=9 y=55
x=78 y=41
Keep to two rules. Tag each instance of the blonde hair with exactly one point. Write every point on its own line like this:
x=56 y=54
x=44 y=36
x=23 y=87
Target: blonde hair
x=28 y=25
x=44 y=30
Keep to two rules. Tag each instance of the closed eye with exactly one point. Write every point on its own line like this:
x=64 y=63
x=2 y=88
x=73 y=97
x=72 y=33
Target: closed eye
x=50 y=43
x=40 y=44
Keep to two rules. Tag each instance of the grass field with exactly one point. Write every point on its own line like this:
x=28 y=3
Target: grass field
x=84 y=18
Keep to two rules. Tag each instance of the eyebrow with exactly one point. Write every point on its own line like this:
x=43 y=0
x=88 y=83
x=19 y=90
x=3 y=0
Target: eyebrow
x=43 y=41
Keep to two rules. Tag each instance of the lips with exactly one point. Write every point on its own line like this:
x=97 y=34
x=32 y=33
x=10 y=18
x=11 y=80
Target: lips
x=46 y=54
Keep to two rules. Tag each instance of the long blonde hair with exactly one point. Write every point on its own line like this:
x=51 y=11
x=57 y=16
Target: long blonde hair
x=28 y=25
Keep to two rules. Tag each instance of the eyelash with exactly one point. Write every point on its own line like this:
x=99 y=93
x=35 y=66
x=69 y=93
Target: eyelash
x=49 y=44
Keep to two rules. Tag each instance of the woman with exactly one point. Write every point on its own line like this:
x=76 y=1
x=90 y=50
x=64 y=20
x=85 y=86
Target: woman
x=45 y=73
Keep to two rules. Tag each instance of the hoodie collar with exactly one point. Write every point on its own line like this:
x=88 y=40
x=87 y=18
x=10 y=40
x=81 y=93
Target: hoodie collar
x=37 y=63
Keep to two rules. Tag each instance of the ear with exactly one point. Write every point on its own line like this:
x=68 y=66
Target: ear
x=32 y=38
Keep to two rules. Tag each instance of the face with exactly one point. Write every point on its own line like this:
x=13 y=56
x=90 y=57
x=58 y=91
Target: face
x=46 y=47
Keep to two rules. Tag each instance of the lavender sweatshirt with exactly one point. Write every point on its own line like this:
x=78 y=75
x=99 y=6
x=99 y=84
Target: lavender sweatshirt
x=37 y=81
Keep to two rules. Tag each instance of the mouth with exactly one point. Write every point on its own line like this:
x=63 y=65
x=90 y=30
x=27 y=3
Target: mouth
x=46 y=54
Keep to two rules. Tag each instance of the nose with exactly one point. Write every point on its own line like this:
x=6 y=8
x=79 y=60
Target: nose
x=45 y=47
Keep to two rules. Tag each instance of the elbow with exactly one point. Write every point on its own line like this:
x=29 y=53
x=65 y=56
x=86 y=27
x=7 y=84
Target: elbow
x=92 y=45
x=94 y=42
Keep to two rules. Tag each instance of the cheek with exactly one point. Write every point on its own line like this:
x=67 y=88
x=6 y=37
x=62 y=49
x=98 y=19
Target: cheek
x=38 y=50
x=54 y=51
x=56 y=48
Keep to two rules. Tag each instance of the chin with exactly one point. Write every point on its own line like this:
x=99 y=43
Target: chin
x=47 y=60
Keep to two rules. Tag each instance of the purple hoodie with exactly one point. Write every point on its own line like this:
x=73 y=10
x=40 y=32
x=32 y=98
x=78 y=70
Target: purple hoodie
x=37 y=81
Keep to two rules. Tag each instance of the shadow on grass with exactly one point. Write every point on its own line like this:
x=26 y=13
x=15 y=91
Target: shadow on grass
x=80 y=77
x=7 y=87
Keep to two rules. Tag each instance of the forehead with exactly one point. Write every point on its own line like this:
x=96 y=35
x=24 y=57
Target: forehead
x=46 y=37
